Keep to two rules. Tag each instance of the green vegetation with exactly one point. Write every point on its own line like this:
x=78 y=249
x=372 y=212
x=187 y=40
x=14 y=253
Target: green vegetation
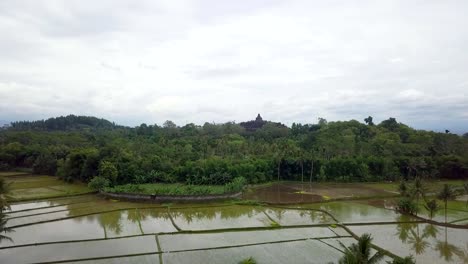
x=407 y=205
x=465 y=187
x=446 y=194
x=405 y=260
x=275 y=224
x=249 y=260
x=360 y=252
x=29 y=187
x=4 y=191
x=168 y=189
x=432 y=207
x=78 y=148
x=98 y=183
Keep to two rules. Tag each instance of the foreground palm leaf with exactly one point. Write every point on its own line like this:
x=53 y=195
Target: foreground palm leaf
x=360 y=253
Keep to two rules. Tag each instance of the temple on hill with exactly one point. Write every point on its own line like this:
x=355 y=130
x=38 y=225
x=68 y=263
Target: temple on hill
x=259 y=119
x=253 y=125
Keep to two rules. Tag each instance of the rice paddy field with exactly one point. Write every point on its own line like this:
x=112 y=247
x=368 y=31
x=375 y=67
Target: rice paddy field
x=86 y=228
x=25 y=186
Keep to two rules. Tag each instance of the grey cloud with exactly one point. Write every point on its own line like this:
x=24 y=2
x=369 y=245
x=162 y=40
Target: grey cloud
x=197 y=61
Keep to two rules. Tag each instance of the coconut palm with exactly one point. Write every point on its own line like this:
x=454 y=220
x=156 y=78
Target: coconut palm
x=432 y=207
x=418 y=190
x=360 y=253
x=463 y=254
x=465 y=186
x=418 y=242
x=3 y=228
x=430 y=231
x=4 y=190
x=446 y=194
x=403 y=189
x=4 y=197
x=447 y=250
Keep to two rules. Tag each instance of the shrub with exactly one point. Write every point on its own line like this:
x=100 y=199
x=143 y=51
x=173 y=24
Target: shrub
x=248 y=261
x=98 y=183
x=407 y=206
x=236 y=185
x=109 y=171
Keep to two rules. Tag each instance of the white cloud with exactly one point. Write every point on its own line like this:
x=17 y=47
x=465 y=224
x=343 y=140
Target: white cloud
x=196 y=61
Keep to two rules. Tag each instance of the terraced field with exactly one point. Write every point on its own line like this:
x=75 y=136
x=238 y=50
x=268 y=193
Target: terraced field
x=25 y=186
x=90 y=229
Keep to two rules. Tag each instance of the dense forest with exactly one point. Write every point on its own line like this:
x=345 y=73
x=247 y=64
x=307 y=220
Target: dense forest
x=80 y=148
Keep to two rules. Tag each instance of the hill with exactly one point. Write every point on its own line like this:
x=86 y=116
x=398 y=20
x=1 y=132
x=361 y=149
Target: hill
x=80 y=148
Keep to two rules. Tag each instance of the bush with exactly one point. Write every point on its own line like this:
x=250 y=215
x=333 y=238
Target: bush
x=236 y=185
x=98 y=183
x=168 y=189
x=108 y=171
x=248 y=261
x=407 y=206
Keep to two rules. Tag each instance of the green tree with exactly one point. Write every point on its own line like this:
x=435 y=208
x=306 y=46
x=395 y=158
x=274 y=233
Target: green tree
x=4 y=197
x=403 y=188
x=418 y=189
x=99 y=183
x=107 y=170
x=360 y=252
x=369 y=121
x=432 y=207
x=445 y=195
x=45 y=164
x=4 y=190
x=465 y=187
x=407 y=205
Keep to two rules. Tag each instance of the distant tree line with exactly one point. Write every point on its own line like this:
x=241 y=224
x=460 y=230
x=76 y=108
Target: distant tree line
x=81 y=148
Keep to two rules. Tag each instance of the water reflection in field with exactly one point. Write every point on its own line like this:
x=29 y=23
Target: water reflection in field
x=120 y=228
x=426 y=242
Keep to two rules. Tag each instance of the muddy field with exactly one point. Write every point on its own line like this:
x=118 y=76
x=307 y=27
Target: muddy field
x=294 y=193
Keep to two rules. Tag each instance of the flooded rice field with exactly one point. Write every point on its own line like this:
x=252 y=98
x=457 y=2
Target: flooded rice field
x=294 y=193
x=90 y=229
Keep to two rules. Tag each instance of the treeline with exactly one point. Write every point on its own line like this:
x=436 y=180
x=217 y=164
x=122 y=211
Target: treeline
x=64 y=123
x=80 y=148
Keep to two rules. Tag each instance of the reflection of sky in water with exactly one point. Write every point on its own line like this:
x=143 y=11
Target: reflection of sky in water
x=427 y=243
x=350 y=212
x=298 y=217
x=219 y=217
x=75 y=250
x=113 y=224
x=189 y=241
x=310 y=251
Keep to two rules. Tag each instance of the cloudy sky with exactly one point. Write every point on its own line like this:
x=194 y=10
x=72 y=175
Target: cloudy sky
x=217 y=61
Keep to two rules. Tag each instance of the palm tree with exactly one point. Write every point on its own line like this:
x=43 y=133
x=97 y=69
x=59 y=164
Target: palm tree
x=4 y=190
x=446 y=194
x=432 y=207
x=418 y=242
x=360 y=253
x=4 y=197
x=447 y=250
x=403 y=189
x=465 y=186
x=418 y=190
x=3 y=228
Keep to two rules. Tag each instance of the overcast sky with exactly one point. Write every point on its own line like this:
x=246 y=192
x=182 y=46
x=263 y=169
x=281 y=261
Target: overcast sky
x=195 y=61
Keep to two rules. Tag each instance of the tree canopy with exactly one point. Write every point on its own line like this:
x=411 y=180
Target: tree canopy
x=80 y=148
